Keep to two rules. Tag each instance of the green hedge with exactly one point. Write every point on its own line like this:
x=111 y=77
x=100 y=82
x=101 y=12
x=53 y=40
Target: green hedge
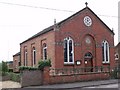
x=27 y=68
x=41 y=65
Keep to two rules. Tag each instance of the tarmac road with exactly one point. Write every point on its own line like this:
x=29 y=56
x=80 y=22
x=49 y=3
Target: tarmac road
x=105 y=86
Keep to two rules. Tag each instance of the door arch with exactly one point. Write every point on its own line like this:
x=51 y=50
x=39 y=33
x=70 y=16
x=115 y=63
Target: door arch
x=88 y=59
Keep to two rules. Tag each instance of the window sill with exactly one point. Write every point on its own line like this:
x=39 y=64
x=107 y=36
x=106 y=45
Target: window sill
x=68 y=64
x=105 y=63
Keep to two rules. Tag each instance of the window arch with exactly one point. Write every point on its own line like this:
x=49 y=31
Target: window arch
x=105 y=52
x=44 y=51
x=33 y=56
x=68 y=51
x=88 y=55
x=25 y=58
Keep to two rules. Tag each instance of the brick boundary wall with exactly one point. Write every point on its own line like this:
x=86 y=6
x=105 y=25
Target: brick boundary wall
x=76 y=78
x=5 y=78
x=38 y=77
x=55 y=79
x=31 y=78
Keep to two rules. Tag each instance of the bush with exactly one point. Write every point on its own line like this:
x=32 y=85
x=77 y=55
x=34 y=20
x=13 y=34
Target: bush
x=44 y=63
x=3 y=73
x=27 y=68
x=4 y=68
x=14 y=77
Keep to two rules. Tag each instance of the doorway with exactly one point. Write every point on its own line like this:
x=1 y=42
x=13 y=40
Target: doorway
x=88 y=60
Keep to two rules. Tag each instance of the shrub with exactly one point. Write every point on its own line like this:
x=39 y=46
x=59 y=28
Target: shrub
x=44 y=63
x=14 y=77
x=4 y=68
x=27 y=68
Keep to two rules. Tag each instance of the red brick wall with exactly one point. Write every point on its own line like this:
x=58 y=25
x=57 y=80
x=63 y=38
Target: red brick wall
x=48 y=38
x=76 y=29
x=117 y=51
x=31 y=78
x=16 y=60
x=55 y=79
x=37 y=77
x=74 y=78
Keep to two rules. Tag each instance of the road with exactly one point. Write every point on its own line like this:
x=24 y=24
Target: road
x=105 y=86
x=101 y=87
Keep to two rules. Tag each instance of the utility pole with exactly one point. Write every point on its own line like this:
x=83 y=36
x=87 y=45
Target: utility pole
x=118 y=21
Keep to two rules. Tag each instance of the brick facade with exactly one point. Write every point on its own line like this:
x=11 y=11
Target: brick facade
x=117 y=54
x=16 y=62
x=86 y=39
x=74 y=27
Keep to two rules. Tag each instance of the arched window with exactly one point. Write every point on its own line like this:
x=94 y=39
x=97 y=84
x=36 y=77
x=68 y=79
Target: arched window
x=116 y=56
x=25 y=58
x=88 y=55
x=68 y=51
x=33 y=56
x=44 y=51
x=105 y=52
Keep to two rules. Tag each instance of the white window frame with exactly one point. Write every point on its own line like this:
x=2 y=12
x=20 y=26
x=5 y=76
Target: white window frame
x=68 y=57
x=34 y=55
x=44 y=52
x=104 y=53
x=25 y=57
x=116 y=58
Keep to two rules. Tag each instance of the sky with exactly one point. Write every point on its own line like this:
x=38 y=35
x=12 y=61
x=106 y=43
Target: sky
x=21 y=19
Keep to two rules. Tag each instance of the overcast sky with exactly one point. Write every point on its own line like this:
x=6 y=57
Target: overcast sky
x=20 y=19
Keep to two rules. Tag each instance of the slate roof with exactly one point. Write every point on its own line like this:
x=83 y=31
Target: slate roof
x=52 y=27
x=16 y=54
x=118 y=44
x=40 y=33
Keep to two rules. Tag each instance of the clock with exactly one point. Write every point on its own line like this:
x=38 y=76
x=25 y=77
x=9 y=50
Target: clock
x=87 y=21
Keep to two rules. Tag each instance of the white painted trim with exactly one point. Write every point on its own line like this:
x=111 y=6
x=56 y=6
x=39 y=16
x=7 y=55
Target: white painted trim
x=68 y=58
x=44 y=52
x=25 y=58
x=108 y=51
x=34 y=51
x=116 y=58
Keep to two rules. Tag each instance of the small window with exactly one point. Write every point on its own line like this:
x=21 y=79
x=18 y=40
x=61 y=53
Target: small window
x=25 y=58
x=33 y=56
x=88 y=55
x=44 y=51
x=116 y=56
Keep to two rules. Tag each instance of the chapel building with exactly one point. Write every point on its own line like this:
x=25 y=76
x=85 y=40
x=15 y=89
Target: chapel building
x=81 y=40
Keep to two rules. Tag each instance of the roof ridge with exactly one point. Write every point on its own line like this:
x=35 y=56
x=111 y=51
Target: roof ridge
x=59 y=23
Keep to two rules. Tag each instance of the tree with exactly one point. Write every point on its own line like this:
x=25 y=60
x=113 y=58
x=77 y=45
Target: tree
x=0 y=66
x=4 y=67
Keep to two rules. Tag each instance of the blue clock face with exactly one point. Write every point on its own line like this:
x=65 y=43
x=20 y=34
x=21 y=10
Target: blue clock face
x=87 y=21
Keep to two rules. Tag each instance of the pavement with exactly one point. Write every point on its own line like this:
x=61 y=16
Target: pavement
x=77 y=84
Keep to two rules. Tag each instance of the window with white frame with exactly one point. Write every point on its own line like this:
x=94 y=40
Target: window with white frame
x=34 y=56
x=68 y=51
x=25 y=58
x=105 y=52
x=44 y=51
x=116 y=56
